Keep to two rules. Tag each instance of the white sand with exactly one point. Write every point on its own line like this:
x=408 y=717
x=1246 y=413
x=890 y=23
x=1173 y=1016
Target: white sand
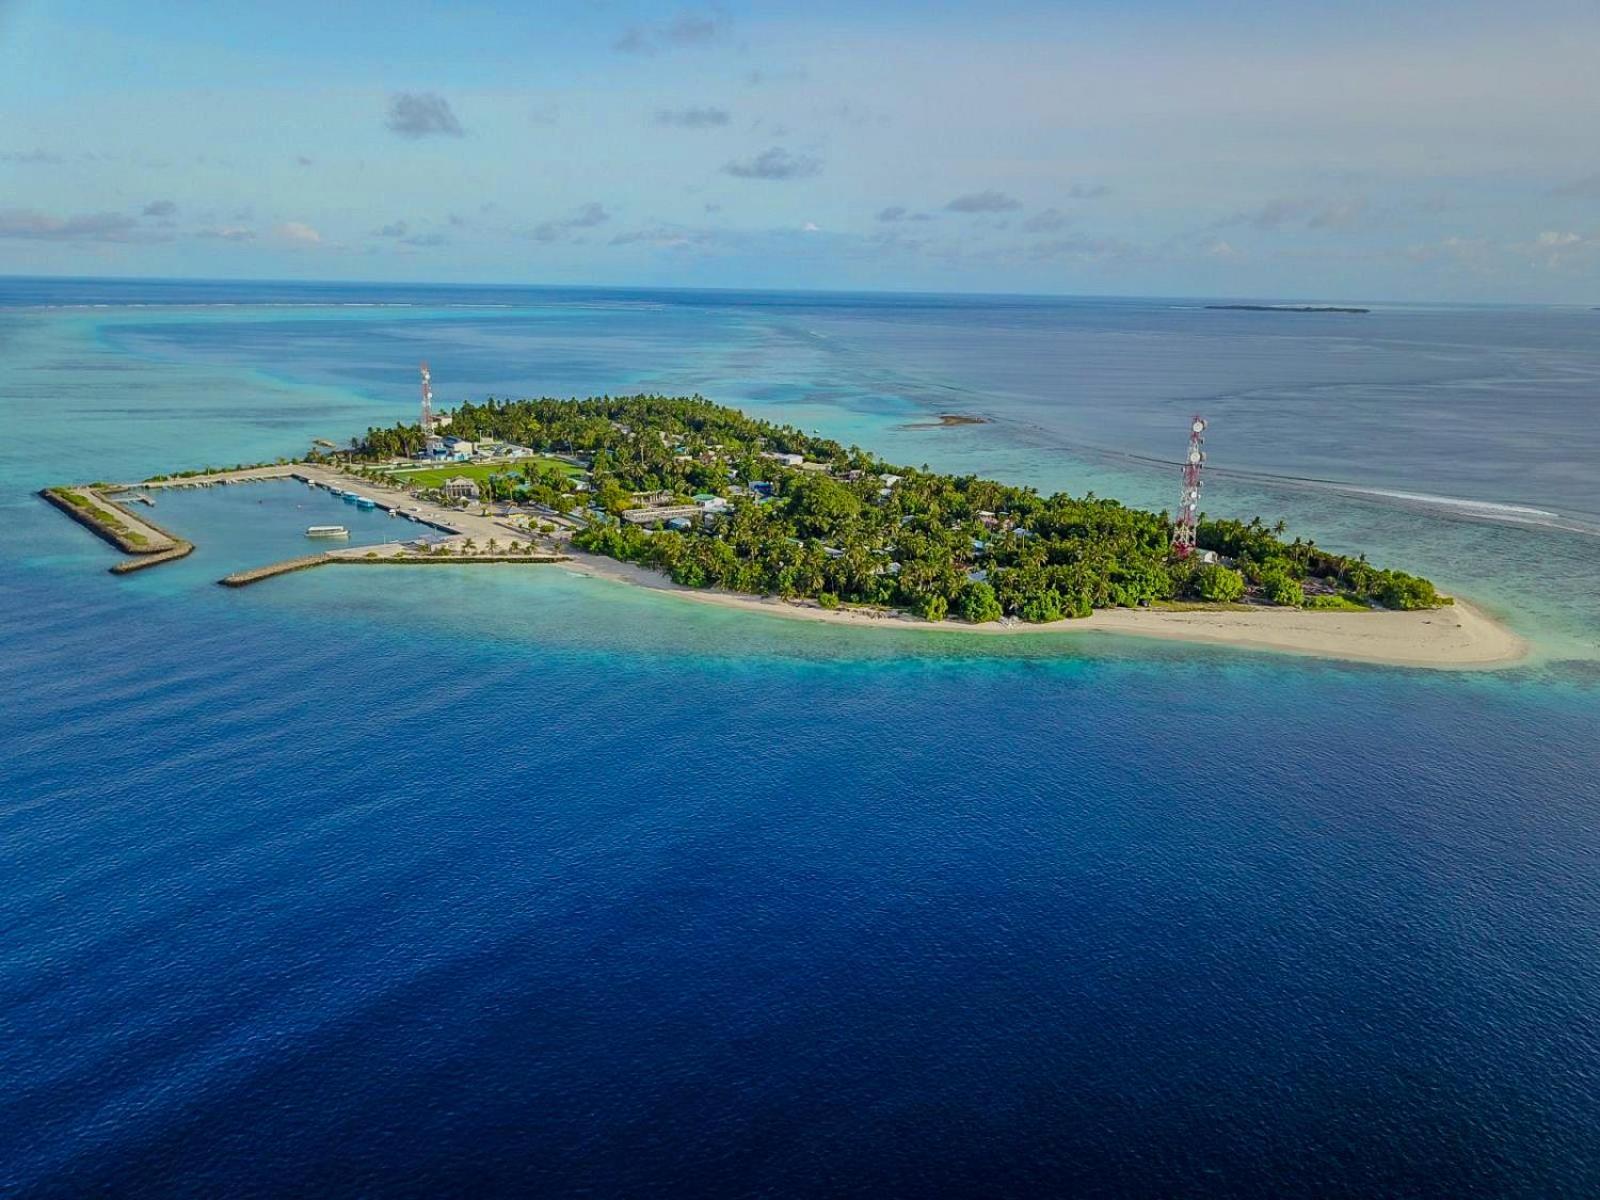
x=1458 y=637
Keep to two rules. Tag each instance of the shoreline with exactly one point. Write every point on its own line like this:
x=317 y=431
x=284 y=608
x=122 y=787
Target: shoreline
x=1458 y=637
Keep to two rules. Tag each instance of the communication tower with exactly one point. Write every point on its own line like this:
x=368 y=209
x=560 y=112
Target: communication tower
x=1189 y=504
x=427 y=401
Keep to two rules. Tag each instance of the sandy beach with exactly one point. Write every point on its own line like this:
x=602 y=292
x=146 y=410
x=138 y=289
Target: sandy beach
x=1460 y=637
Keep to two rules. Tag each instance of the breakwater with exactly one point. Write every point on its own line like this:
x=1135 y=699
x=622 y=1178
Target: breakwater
x=130 y=565
x=385 y=557
x=257 y=574
x=113 y=523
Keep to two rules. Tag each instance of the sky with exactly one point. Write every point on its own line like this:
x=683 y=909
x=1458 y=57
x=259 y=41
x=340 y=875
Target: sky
x=1424 y=151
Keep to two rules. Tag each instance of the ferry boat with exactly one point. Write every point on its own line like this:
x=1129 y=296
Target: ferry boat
x=327 y=531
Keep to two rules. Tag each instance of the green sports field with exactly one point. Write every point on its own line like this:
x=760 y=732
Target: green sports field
x=434 y=476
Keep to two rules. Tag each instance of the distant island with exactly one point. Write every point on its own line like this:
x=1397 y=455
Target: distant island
x=716 y=499
x=1286 y=308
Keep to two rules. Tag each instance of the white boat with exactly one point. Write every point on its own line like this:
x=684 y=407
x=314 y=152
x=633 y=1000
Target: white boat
x=327 y=531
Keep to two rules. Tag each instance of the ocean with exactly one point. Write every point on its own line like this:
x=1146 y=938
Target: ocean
x=510 y=881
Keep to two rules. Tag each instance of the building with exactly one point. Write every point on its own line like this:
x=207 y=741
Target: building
x=460 y=488
x=651 y=516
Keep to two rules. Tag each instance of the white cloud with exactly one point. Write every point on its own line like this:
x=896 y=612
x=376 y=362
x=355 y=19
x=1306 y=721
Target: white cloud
x=298 y=233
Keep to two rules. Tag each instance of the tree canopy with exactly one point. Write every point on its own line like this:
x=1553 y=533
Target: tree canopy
x=848 y=527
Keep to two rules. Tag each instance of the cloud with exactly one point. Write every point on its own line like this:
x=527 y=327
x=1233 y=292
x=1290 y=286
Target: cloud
x=302 y=161
x=548 y=113
x=1588 y=187
x=31 y=225
x=160 y=208
x=586 y=217
x=693 y=118
x=689 y=28
x=663 y=237
x=811 y=227
x=422 y=114
x=899 y=212
x=1274 y=214
x=1557 y=249
x=30 y=157
x=1082 y=249
x=1341 y=215
x=984 y=202
x=424 y=239
x=1048 y=221
x=395 y=229
x=853 y=115
x=1088 y=191
x=776 y=163
x=1473 y=253
x=1299 y=212
x=298 y=233
x=227 y=233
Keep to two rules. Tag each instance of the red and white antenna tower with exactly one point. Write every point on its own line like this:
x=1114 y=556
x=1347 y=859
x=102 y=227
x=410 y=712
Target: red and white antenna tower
x=1189 y=505
x=427 y=401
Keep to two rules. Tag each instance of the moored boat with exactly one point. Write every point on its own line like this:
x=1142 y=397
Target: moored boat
x=327 y=531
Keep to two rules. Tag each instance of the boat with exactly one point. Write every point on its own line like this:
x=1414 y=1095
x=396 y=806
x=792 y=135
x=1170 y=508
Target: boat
x=363 y=502
x=327 y=531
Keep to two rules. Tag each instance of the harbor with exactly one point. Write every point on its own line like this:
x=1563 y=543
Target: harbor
x=433 y=532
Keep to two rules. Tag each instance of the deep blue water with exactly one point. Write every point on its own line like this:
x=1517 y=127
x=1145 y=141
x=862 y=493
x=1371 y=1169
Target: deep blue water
x=494 y=881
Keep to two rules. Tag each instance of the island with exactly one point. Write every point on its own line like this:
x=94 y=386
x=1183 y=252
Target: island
x=1285 y=308
x=716 y=499
x=700 y=500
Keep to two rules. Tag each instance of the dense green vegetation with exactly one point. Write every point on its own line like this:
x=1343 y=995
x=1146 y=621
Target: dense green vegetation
x=849 y=528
